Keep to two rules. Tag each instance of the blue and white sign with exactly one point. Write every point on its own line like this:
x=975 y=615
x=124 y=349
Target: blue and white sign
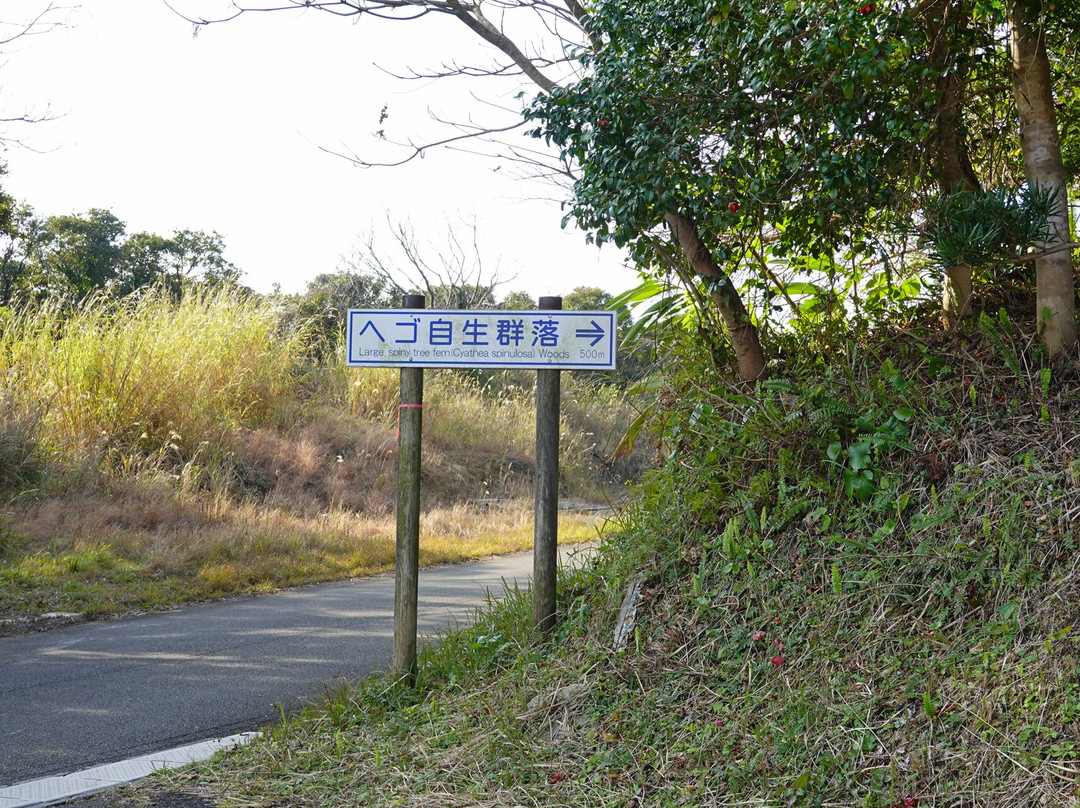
x=556 y=340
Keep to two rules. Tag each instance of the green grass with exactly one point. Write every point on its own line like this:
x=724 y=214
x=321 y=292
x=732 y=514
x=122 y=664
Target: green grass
x=800 y=640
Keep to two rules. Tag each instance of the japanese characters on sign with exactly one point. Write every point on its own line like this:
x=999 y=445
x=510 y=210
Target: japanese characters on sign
x=566 y=340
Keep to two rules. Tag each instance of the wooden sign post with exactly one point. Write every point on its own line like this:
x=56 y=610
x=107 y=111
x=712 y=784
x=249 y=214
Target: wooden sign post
x=546 y=488
x=412 y=338
x=407 y=551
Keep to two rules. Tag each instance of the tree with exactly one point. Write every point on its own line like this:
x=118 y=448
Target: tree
x=80 y=253
x=771 y=129
x=1040 y=141
x=200 y=255
x=326 y=302
x=720 y=137
x=68 y=257
x=568 y=26
x=745 y=129
x=452 y=276
x=144 y=258
x=587 y=298
x=10 y=268
x=518 y=301
x=947 y=24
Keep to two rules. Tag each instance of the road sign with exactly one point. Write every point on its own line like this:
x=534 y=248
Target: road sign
x=556 y=340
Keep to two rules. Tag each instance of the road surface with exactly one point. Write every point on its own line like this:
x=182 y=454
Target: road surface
x=107 y=691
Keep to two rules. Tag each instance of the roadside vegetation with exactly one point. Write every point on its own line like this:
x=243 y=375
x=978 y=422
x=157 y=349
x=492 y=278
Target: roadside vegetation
x=852 y=578
x=157 y=449
x=805 y=633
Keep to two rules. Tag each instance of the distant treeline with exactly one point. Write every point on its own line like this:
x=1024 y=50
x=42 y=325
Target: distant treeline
x=65 y=258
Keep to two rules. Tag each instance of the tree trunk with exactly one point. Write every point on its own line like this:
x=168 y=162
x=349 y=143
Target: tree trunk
x=945 y=22
x=1055 y=301
x=741 y=330
x=954 y=173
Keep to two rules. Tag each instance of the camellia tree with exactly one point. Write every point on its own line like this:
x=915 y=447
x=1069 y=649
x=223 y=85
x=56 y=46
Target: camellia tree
x=742 y=127
x=814 y=130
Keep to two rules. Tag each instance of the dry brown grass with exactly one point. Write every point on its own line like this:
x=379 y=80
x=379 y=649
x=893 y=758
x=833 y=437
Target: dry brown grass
x=143 y=550
x=154 y=451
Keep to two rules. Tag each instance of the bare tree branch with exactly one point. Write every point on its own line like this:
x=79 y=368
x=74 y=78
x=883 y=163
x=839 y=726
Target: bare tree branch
x=10 y=32
x=564 y=22
x=449 y=276
x=418 y=151
x=474 y=19
x=37 y=25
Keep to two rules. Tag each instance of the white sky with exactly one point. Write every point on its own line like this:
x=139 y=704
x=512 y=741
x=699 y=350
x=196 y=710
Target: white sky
x=222 y=132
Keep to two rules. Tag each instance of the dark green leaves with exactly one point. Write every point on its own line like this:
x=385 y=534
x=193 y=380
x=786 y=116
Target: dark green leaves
x=798 y=114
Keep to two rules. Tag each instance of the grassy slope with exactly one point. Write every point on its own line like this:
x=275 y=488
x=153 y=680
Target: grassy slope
x=794 y=644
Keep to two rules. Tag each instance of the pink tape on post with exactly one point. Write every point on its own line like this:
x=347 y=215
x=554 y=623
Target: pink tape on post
x=399 y=409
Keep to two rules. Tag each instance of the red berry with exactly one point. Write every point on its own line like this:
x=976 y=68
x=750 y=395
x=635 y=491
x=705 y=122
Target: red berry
x=758 y=635
x=733 y=206
x=777 y=661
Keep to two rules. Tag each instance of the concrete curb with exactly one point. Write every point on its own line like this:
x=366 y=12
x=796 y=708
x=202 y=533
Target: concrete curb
x=51 y=790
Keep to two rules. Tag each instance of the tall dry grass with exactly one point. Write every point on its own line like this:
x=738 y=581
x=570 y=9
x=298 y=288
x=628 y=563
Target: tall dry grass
x=186 y=449
x=149 y=373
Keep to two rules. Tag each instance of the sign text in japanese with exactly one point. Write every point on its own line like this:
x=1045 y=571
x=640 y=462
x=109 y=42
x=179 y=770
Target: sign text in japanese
x=546 y=339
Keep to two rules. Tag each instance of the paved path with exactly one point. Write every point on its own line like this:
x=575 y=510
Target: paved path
x=101 y=692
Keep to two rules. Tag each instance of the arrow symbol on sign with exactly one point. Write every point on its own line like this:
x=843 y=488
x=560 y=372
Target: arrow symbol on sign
x=596 y=331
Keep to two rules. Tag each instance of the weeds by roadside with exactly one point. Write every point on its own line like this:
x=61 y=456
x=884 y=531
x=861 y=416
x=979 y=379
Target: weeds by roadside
x=249 y=551
x=806 y=634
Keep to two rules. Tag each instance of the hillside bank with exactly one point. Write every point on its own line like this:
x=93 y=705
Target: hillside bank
x=805 y=633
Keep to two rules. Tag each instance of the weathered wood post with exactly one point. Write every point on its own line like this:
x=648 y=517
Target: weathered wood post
x=407 y=554
x=546 y=524
x=412 y=338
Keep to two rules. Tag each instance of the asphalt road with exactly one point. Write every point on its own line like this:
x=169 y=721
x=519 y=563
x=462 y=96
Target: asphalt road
x=102 y=692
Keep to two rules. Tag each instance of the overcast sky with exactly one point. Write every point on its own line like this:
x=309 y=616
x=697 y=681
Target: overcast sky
x=222 y=131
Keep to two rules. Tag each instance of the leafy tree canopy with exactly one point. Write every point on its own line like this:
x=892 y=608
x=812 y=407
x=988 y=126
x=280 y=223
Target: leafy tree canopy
x=735 y=114
x=518 y=301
